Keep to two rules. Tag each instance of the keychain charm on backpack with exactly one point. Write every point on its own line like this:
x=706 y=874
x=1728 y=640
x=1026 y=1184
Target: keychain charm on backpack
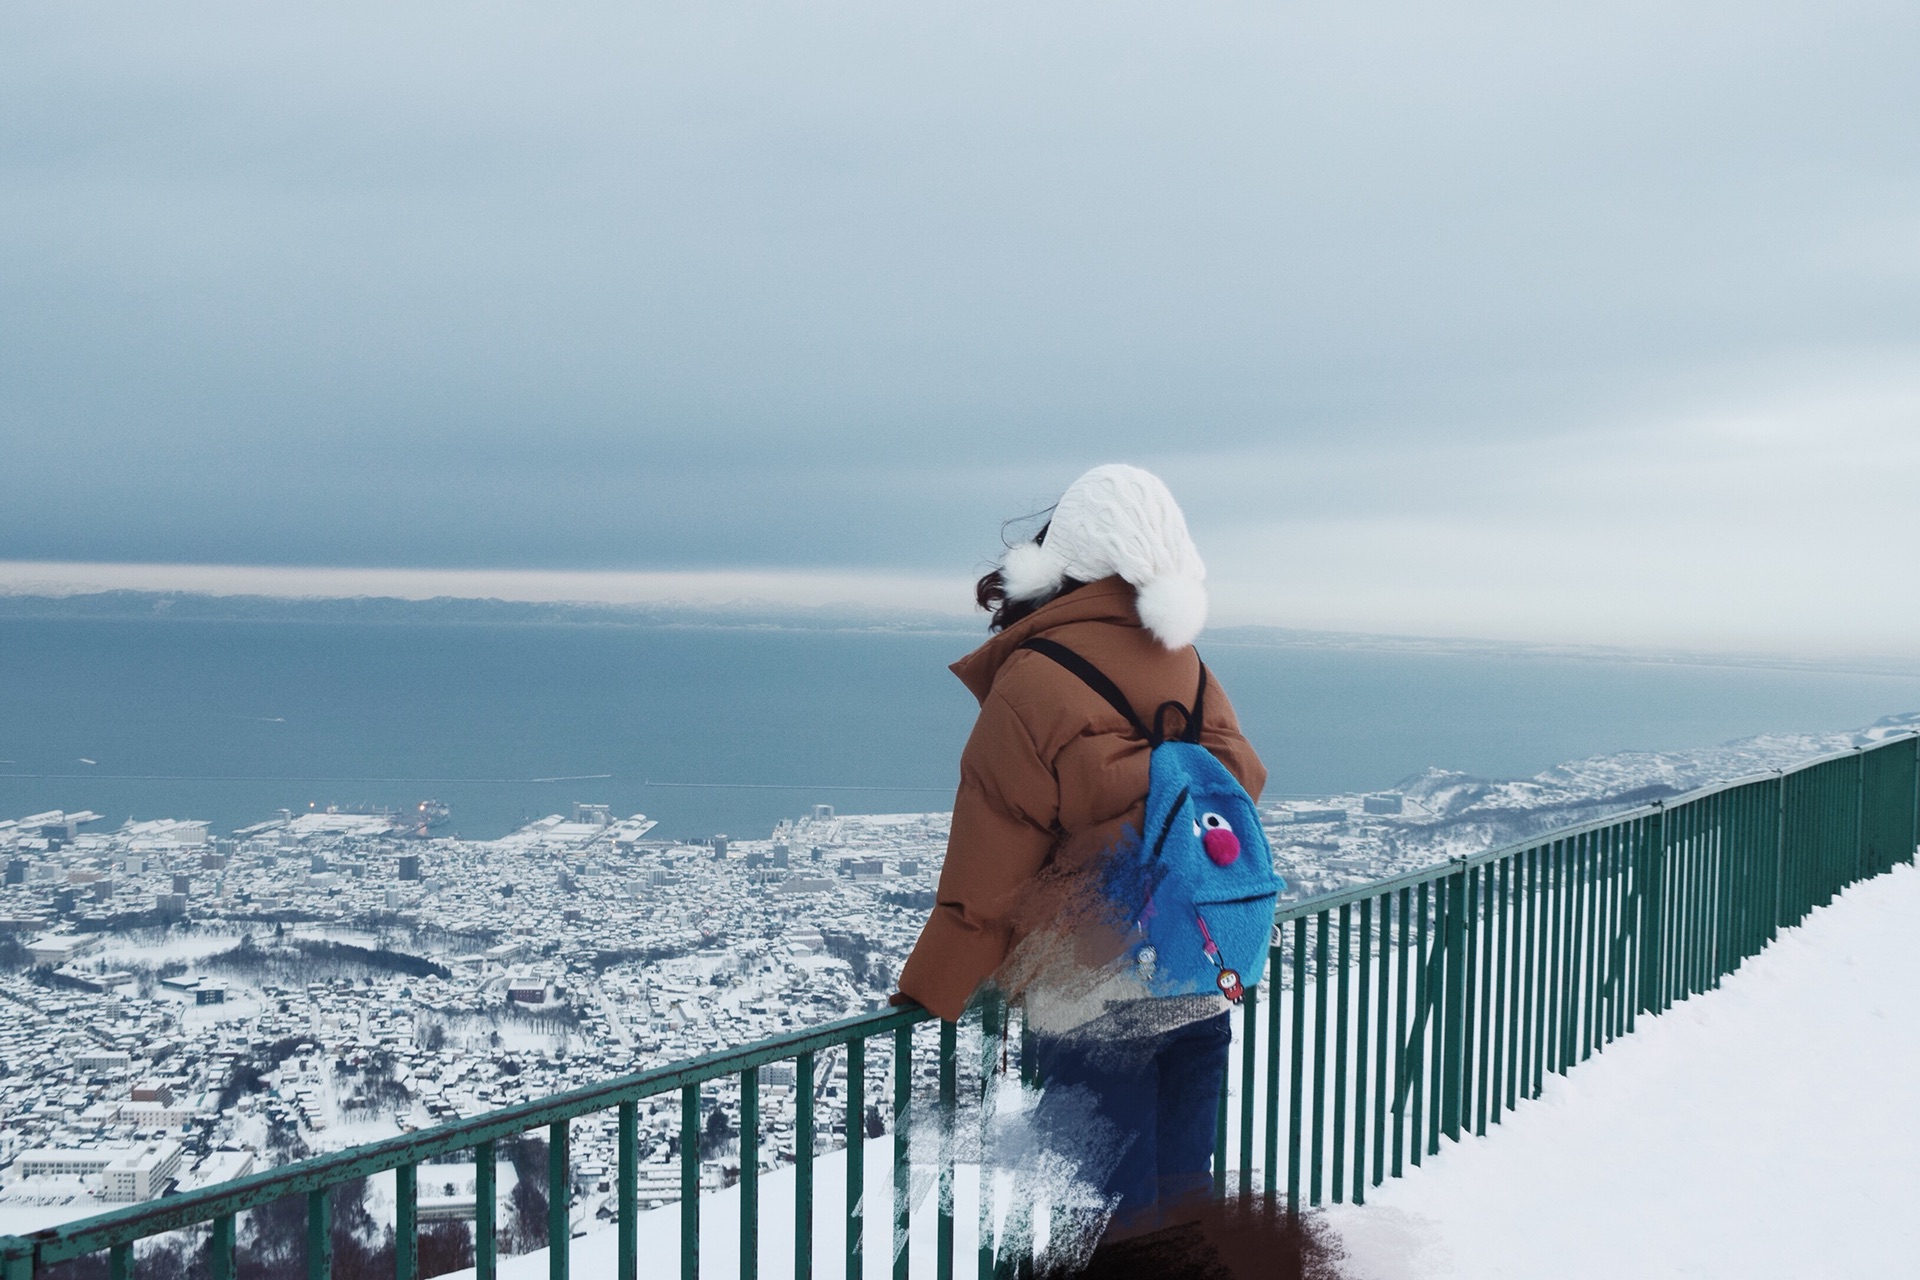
x=1229 y=978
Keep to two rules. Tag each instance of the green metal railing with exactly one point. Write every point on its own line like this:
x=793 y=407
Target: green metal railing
x=1439 y=1000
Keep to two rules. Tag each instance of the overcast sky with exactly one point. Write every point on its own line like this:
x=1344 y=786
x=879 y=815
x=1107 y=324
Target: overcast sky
x=1482 y=319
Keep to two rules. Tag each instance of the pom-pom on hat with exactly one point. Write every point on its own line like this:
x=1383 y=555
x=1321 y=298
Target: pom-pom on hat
x=1118 y=519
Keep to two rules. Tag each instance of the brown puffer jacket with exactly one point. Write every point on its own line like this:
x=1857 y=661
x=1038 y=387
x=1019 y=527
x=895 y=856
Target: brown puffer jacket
x=1051 y=778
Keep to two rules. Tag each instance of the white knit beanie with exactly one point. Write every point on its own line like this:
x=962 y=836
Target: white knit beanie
x=1119 y=519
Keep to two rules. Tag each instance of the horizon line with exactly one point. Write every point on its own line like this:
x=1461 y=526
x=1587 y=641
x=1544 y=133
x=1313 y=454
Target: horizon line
x=814 y=590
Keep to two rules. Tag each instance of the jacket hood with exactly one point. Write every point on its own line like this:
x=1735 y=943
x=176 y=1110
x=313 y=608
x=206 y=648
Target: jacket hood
x=1109 y=600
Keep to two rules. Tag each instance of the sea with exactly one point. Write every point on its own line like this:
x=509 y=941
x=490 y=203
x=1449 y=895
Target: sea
x=725 y=729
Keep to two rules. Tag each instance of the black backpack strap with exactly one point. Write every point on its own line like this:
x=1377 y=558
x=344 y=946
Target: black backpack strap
x=1095 y=679
x=1191 y=718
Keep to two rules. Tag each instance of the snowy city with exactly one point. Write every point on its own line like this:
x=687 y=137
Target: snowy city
x=184 y=1006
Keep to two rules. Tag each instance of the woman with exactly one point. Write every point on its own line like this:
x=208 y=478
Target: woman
x=1052 y=781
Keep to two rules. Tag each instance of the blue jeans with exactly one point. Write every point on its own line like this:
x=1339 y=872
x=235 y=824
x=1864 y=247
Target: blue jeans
x=1137 y=1115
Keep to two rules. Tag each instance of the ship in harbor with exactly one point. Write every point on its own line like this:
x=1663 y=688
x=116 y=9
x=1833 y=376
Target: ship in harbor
x=432 y=813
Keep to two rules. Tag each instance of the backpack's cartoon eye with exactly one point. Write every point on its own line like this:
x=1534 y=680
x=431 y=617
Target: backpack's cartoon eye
x=1217 y=838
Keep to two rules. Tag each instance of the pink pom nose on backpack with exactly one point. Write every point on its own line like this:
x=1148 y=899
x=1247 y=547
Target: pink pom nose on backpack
x=1221 y=845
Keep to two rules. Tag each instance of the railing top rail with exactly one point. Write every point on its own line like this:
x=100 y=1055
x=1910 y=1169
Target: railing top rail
x=120 y=1226
x=1440 y=870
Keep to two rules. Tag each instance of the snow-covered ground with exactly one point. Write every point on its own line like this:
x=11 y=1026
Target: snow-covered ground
x=1762 y=1130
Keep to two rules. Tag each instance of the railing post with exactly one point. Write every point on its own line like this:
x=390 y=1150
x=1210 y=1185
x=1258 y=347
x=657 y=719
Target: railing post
x=406 y=1224
x=629 y=1174
x=486 y=1240
x=856 y=1156
x=16 y=1259
x=750 y=1174
x=120 y=1262
x=690 y=1182
x=989 y=1026
x=1249 y=1029
x=319 y=1234
x=1779 y=852
x=1653 y=870
x=1913 y=832
x=949 y=1104
x=1219 y=1186
x=902 y=1162
x=1859 y=814
x=559 y=1200
x=803 y=1167
x=1319 y=1116
x=1453 y=1038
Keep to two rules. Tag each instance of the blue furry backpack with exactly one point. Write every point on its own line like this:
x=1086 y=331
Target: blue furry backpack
x=1197 y=884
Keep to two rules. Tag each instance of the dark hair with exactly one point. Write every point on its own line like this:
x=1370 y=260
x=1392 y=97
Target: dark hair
x=990 y=593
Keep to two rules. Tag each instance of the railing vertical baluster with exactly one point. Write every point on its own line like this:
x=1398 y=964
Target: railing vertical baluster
x=750 y=1173
x=1557 y=964
x=1759 y=860
x=1274 y=962
x=1323 y=923
x=406 y=1222
x=1436 y=1010
x=1673 y=905
x=1219 y=1163
x=803 y=1142
x=1578 y=958
x=1400 y=1047
x=220 y=1247
x=1530 y=1029
x=1618 y=928
x=1616 y=845
x=1702 y=893
x=320 y=1234
x=1486 y=968
x=1514 y=881
x=1297 y=1077
x=486 y=1244
x=902 y=1132
x=1702 y=896
x=1471 y=1013
x=949 y=1105
x=1742 y=915
x=1249 y=1038
x=1689 y=899
x=629 y=1181
x=120 y=1263
x=1381 y=1058
x=1339 y=1177
x=1652 y=908
x=1728 y=860
x=856 y=1156
x=984 y=1246
x=1422 y=999
x=689 y=1182
x=1703 y=909
x=1859 y=816
x=1458 y=904
x=560 y=1200
x=1497 y=885
x=1361 y=1027
x=1589 y=956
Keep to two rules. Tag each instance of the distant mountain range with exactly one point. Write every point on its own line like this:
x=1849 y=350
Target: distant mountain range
x=1448 y=813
